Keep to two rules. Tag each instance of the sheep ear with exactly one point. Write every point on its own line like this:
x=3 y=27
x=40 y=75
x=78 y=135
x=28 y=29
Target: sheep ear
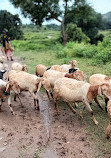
x=100 y=91
x=7 y=86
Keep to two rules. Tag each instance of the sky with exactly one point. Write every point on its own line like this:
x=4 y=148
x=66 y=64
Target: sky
x=101 y=6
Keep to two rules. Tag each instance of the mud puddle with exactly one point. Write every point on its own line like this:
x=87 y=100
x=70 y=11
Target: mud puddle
x=49 y=151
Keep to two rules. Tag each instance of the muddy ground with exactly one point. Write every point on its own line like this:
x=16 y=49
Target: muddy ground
x=42 y=134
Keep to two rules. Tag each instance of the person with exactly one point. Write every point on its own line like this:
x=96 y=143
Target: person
x=6 y=46
x=4 y=39
x=9 y=51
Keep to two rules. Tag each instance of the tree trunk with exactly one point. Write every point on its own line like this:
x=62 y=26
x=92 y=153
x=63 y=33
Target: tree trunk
x=64 y=34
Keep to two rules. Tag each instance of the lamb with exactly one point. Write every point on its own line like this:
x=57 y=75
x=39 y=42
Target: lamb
x=19 y=67
x=72 y=91
x=40 y=69
x=108 y=129
x=7 y=89
x=28 y=82
x=99 y=79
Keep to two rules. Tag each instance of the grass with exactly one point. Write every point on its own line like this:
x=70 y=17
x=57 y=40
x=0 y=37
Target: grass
x=44 y=52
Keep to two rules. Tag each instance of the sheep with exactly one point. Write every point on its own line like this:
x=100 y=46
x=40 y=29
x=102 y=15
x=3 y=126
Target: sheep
x=40 y=69
x=28 y=82
x=55 y=67
x=78 y=75
x=19 y=67
x=65 y=67
x=53 y=75
x=2 y=73
x=7 y=89
x=108 y=129
x=3 y=59
x=72 y=91
x=96 y=79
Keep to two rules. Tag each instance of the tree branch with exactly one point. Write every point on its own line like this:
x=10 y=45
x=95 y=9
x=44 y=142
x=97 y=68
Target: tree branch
x=55 y=17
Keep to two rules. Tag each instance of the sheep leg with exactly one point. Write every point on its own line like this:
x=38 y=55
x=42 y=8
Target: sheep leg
x=48 y=95
x=76 y=105
x=15 y=97
x=90 y=110
x=106 y=101
x=56 y=107
x=97 y=102
x=9 y=104
x=0 y=104
x=20 y=100
x=107 y=131
x=81 y=112
x=36 y=101
x=72 y=109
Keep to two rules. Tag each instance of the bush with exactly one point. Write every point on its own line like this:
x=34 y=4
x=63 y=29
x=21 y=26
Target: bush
x=75 y=34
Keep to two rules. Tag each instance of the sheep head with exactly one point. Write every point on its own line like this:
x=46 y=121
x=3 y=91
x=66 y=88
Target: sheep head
x=13 y=85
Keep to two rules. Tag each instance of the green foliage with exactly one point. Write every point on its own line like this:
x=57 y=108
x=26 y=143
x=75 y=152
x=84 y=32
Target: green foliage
x=11 y=24
x=75 y=34
x=41 y=40
x=85 y=17
x=100 y=54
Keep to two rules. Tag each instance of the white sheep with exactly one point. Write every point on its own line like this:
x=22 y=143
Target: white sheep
x=65 y=67
x=29 y=82
x=53 y=75
x=72 y=91
x=40 y=69
x=18 y=67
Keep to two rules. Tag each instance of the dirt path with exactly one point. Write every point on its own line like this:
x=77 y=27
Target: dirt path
x=25 y=135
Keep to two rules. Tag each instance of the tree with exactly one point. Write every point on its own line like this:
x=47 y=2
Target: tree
x=85 y=17
x=40 y=10
x=11 y=24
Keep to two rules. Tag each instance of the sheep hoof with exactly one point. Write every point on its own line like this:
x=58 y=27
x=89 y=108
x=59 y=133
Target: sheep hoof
x=37 y=108
x=96 y=122
x=108 y=137
x=13 y=113
x=74 y=112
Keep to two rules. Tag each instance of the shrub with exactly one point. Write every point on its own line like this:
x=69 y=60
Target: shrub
x=75 y=33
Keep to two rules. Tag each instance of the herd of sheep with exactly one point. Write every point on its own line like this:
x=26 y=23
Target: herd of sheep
x=66 y=82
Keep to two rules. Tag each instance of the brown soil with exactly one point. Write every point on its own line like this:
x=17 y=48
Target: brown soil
x=31 y=133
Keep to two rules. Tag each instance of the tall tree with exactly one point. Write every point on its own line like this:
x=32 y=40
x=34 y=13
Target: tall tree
x=11 y=24
x=40 y=10
x=85 y=17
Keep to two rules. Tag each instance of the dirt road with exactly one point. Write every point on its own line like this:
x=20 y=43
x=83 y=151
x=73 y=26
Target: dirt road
x=26 y=134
